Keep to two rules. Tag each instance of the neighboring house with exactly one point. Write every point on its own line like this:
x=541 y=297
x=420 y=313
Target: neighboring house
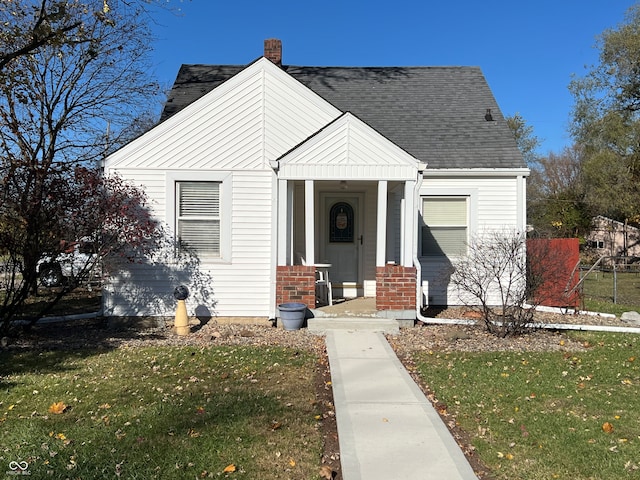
x=383 y=173
x=612 y=238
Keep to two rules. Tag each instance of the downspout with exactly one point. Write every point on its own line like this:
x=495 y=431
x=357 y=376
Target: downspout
x=419 y=294
x=460 y=321
x=276 y=215
x=418 y=266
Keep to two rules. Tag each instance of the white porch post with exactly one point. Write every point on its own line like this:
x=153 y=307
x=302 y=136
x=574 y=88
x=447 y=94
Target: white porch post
x=409 y=229
x=309 y=222
x=381 y=231
x=285 y=223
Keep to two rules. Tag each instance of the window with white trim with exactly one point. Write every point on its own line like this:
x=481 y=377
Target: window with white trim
x=446 y=225
x=198 y=217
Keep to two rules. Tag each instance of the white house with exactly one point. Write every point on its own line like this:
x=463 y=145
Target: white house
x=381 y=174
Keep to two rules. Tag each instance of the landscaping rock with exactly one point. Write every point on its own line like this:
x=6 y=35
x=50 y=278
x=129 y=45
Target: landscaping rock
x=631 y=317
x=457 y=334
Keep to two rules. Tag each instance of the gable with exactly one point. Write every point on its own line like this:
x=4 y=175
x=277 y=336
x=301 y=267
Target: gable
x=437 y=114
x=348 y=149
x=251 y=118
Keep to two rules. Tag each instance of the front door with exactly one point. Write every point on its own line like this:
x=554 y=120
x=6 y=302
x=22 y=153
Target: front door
x=342 y=242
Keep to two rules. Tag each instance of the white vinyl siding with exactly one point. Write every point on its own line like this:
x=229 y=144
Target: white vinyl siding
x=219 y=286
x=198 y=217
x=493 y=205
x=446 y=226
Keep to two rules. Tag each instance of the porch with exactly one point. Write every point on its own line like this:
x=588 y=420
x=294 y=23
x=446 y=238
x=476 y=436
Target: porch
x=347 y=198
x=348 y=239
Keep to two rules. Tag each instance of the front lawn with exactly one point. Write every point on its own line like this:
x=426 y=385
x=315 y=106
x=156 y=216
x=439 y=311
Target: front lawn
x=534 y=416
x=160 y=413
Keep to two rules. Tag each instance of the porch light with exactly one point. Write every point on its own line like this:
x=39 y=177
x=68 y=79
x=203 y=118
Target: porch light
x=343 y=185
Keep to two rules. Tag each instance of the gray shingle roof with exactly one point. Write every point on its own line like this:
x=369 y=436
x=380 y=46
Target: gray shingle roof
x=437 y=114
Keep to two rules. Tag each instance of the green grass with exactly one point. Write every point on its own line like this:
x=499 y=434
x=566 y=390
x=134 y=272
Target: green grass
x=598 y=292
x=161 y=413
x=534 y=416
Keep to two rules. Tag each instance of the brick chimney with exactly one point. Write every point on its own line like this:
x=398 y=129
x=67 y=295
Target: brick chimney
x=273 y=50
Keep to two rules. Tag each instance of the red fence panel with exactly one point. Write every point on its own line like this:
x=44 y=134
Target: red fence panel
x=556 y=259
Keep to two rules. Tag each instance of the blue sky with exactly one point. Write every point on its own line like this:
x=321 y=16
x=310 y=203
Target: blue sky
x=528 y=51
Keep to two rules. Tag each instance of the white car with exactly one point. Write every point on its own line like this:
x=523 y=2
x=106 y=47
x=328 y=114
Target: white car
x=76 y=261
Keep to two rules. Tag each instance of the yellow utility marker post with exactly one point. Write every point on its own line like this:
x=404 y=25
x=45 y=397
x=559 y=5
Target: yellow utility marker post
x=181 y=323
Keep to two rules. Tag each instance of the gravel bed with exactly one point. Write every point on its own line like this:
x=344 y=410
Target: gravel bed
x=94 y=333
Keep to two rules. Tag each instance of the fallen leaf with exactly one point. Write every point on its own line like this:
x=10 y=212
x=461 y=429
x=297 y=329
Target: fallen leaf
x=229 y=468
x=292 y=462
x=607 y=427
x=326 y=473
x=57 y=408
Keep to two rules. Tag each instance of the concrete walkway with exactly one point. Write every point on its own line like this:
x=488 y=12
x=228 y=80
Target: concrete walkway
x=386 y=426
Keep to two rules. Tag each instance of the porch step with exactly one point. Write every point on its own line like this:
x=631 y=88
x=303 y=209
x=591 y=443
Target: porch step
x=320 y=325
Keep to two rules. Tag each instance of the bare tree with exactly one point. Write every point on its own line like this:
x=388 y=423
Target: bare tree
x=56 y=101
x=29 y=25
x=556 y=195
x=502 y=280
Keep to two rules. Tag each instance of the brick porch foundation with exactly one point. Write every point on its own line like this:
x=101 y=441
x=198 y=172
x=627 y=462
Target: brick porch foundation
x=296 y=283
x=395 y=288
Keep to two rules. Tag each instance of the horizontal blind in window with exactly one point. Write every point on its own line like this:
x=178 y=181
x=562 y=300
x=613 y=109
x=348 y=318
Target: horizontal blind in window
x=445 y=232
x=199 y=216
x=445 y=211
x=444 y=240
x=201 y=199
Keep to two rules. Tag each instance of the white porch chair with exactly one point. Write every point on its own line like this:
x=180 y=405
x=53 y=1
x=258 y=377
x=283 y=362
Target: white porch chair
x=324 y=293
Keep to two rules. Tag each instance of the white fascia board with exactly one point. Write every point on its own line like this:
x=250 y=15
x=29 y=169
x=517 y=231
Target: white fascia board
x=375 y=157
x=477 y=172
x=261 y=66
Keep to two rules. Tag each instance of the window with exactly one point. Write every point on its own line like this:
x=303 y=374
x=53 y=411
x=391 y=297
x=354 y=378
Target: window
x=198 y=216
x=446 y=226
x=341 y=223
